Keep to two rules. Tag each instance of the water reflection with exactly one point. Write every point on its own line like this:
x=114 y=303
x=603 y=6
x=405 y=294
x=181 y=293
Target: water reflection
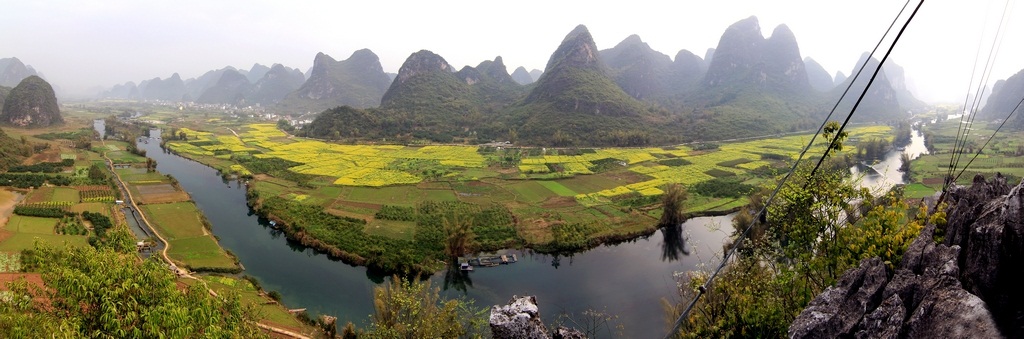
x=457 y=279
x=673 y=245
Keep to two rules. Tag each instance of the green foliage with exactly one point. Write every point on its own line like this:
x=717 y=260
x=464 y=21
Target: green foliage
x=43 y=167
x=730 y=187
x=100 y=293
x=810 y=235
x=400 y=213
x=33 y=180
x=674 y=162
x=570 y=237
x=344 y=238
x=872 y=149
x=31 y=104
x=412 y=309
x=12 y=152
x=459 y=237
x=41 y=211
x=672 y=205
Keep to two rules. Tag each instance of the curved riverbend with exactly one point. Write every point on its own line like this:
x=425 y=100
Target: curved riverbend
x=627 y=280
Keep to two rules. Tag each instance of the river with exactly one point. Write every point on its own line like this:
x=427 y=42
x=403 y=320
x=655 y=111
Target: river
x=886 y=173
x=627 y=280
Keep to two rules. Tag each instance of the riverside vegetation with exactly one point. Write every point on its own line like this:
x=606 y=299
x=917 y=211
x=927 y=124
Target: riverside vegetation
x=63 y=202
x=380 y=204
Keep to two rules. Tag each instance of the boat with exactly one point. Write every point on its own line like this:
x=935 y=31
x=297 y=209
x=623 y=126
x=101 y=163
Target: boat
x=465 y=267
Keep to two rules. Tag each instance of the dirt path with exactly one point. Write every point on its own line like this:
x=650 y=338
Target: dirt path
x=181 y=272
x=7 y=201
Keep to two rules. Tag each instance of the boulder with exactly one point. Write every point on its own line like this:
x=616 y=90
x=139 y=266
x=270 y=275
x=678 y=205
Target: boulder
x=521 y=319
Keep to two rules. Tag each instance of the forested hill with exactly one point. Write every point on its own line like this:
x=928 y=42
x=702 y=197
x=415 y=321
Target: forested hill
x=627 y=95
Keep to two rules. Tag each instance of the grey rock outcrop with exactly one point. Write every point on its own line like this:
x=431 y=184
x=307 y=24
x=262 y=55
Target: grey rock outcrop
x=967 y=286
x=991 y=235
x=521 y=319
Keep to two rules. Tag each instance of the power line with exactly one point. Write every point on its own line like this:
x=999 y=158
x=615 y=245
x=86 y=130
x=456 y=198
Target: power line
x=986 y=73
x=725 y=259
x=989 y=139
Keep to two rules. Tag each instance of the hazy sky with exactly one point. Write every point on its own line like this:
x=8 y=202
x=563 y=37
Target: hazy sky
x=84 y=44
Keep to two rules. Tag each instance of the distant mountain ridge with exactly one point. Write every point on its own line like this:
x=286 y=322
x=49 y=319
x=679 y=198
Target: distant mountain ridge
x=358 y=81
x=630 y=94
x=13 y=71
x=1006 y=95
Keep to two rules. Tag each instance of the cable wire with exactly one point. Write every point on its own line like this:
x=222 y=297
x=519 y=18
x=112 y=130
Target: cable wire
x=725 y=259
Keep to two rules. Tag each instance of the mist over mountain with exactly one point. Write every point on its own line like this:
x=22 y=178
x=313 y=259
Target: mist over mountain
x=686 y=72
x=898 y=79
x=639 y=70
x=817 y=76
x=1006 y=94
x=745 y=60
x=535 y=74
x=708 y=55
x=12 y=71
x=256 y=73
x=753 y=83
x=170 y=89
x=126 y=90
x=838 y=79
x=276 y=84
x=32 y=103
x=231 y=88
x=629 y=94
x=196 y=86
x=358 y=81
x=576 y=98
x=881 y=103
x=491 y=82
x=522 y=76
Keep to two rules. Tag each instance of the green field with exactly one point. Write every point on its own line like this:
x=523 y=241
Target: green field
x=25 y=241
x=95 y=207
x=530 y=191
x=34 y=225
x=175 y=220
x=267 y=311
x=392 y=229
x=65 y=194
x=557 y=188
x=1002 y=155
x=189 y=241
x=199 y=252
x=591 y=193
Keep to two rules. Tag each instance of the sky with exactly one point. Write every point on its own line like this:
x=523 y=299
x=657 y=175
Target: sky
x=82 y=45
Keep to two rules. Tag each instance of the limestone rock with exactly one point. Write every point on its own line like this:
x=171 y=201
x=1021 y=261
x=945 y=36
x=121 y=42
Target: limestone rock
x=519 y=319
x=965 y=287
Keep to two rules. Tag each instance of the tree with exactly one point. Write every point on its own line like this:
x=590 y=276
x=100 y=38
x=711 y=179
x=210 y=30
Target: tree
x=672 y=204
x=97 y=173
x=459 y=236
x=806 y=241
x=412 y=309
x=99 y=292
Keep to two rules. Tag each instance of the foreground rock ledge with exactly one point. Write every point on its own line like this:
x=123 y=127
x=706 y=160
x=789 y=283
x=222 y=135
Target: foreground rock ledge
x=521 y=319
x=966 y=287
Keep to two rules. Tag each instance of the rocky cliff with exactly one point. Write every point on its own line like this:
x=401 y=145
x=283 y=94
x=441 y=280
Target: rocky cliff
x=521 y=319
x=958 y=280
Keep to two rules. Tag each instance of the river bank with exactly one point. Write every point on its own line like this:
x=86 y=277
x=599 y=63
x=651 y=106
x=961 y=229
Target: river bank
x=309 y=279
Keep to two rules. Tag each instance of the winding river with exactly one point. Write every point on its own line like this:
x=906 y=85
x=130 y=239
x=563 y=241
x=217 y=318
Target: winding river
x=627 y=280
